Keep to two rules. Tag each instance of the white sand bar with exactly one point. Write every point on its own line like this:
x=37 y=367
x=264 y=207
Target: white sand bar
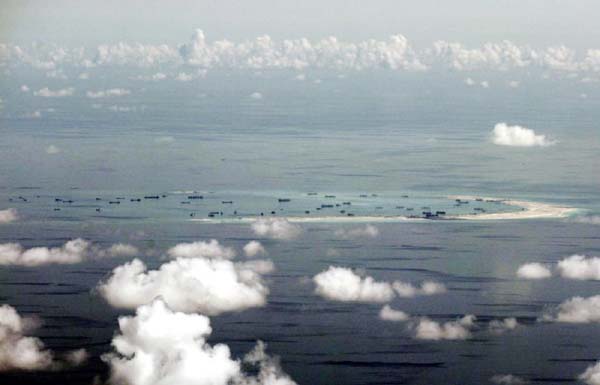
x=528 y=210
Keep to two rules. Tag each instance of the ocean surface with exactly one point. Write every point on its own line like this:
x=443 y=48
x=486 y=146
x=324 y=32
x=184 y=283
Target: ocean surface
x=379 y=140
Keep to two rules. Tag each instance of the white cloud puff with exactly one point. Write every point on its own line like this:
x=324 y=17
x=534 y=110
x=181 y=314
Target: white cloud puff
x=507 y=379
x=427 y=329
x=577 y=310
x=368 y=231
x=269 y=369
x=388 y=314
x=254 y=248
x=16 y=350
x=159 y=76
x=407 y=290
x=343 y=284
x=20 y=352
x=47 y=93
x=119 y=250
x=591 y=375
x=201 y=249
x=505 y=135
x=158 y=346
x=580 y=267
x=77 y=357
x=256 y=95
x=8 y=215
x=73 y=251
x=107 y=93
x=501 y=326
x=533 y=271
x=184 y=77
x=207 y=286
x=52 y=150
x=276 y=228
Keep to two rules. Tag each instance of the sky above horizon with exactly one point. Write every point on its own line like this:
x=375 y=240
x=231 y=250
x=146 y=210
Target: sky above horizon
x=472 y=22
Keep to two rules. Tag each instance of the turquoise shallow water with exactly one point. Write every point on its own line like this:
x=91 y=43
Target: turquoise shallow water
x=177 y=205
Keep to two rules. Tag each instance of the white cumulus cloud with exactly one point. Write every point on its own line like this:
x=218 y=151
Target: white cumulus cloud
x=343 y=284
x=388 y=314
x=159 y=346
x=577 y=310
x=533 y=270
x=21 y=352
x=254 y=248
x=500 y=326
x=427 y=329
x=73 y=251
x=47 y=93
x=207 y=286
x=591 y=375
x=407 y=290
x=107 y=93
x=580 y=267
x=52 y=150
x=201 y=249
x=505 y=135
x=276 y=228
x=507 y=379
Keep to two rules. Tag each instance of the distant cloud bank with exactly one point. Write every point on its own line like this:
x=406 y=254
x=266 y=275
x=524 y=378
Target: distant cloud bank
x=394 y=53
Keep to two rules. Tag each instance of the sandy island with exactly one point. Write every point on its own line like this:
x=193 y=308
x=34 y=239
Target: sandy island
x=529 y=210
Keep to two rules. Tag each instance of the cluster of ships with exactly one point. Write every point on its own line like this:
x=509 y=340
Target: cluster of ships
x=340 y=208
